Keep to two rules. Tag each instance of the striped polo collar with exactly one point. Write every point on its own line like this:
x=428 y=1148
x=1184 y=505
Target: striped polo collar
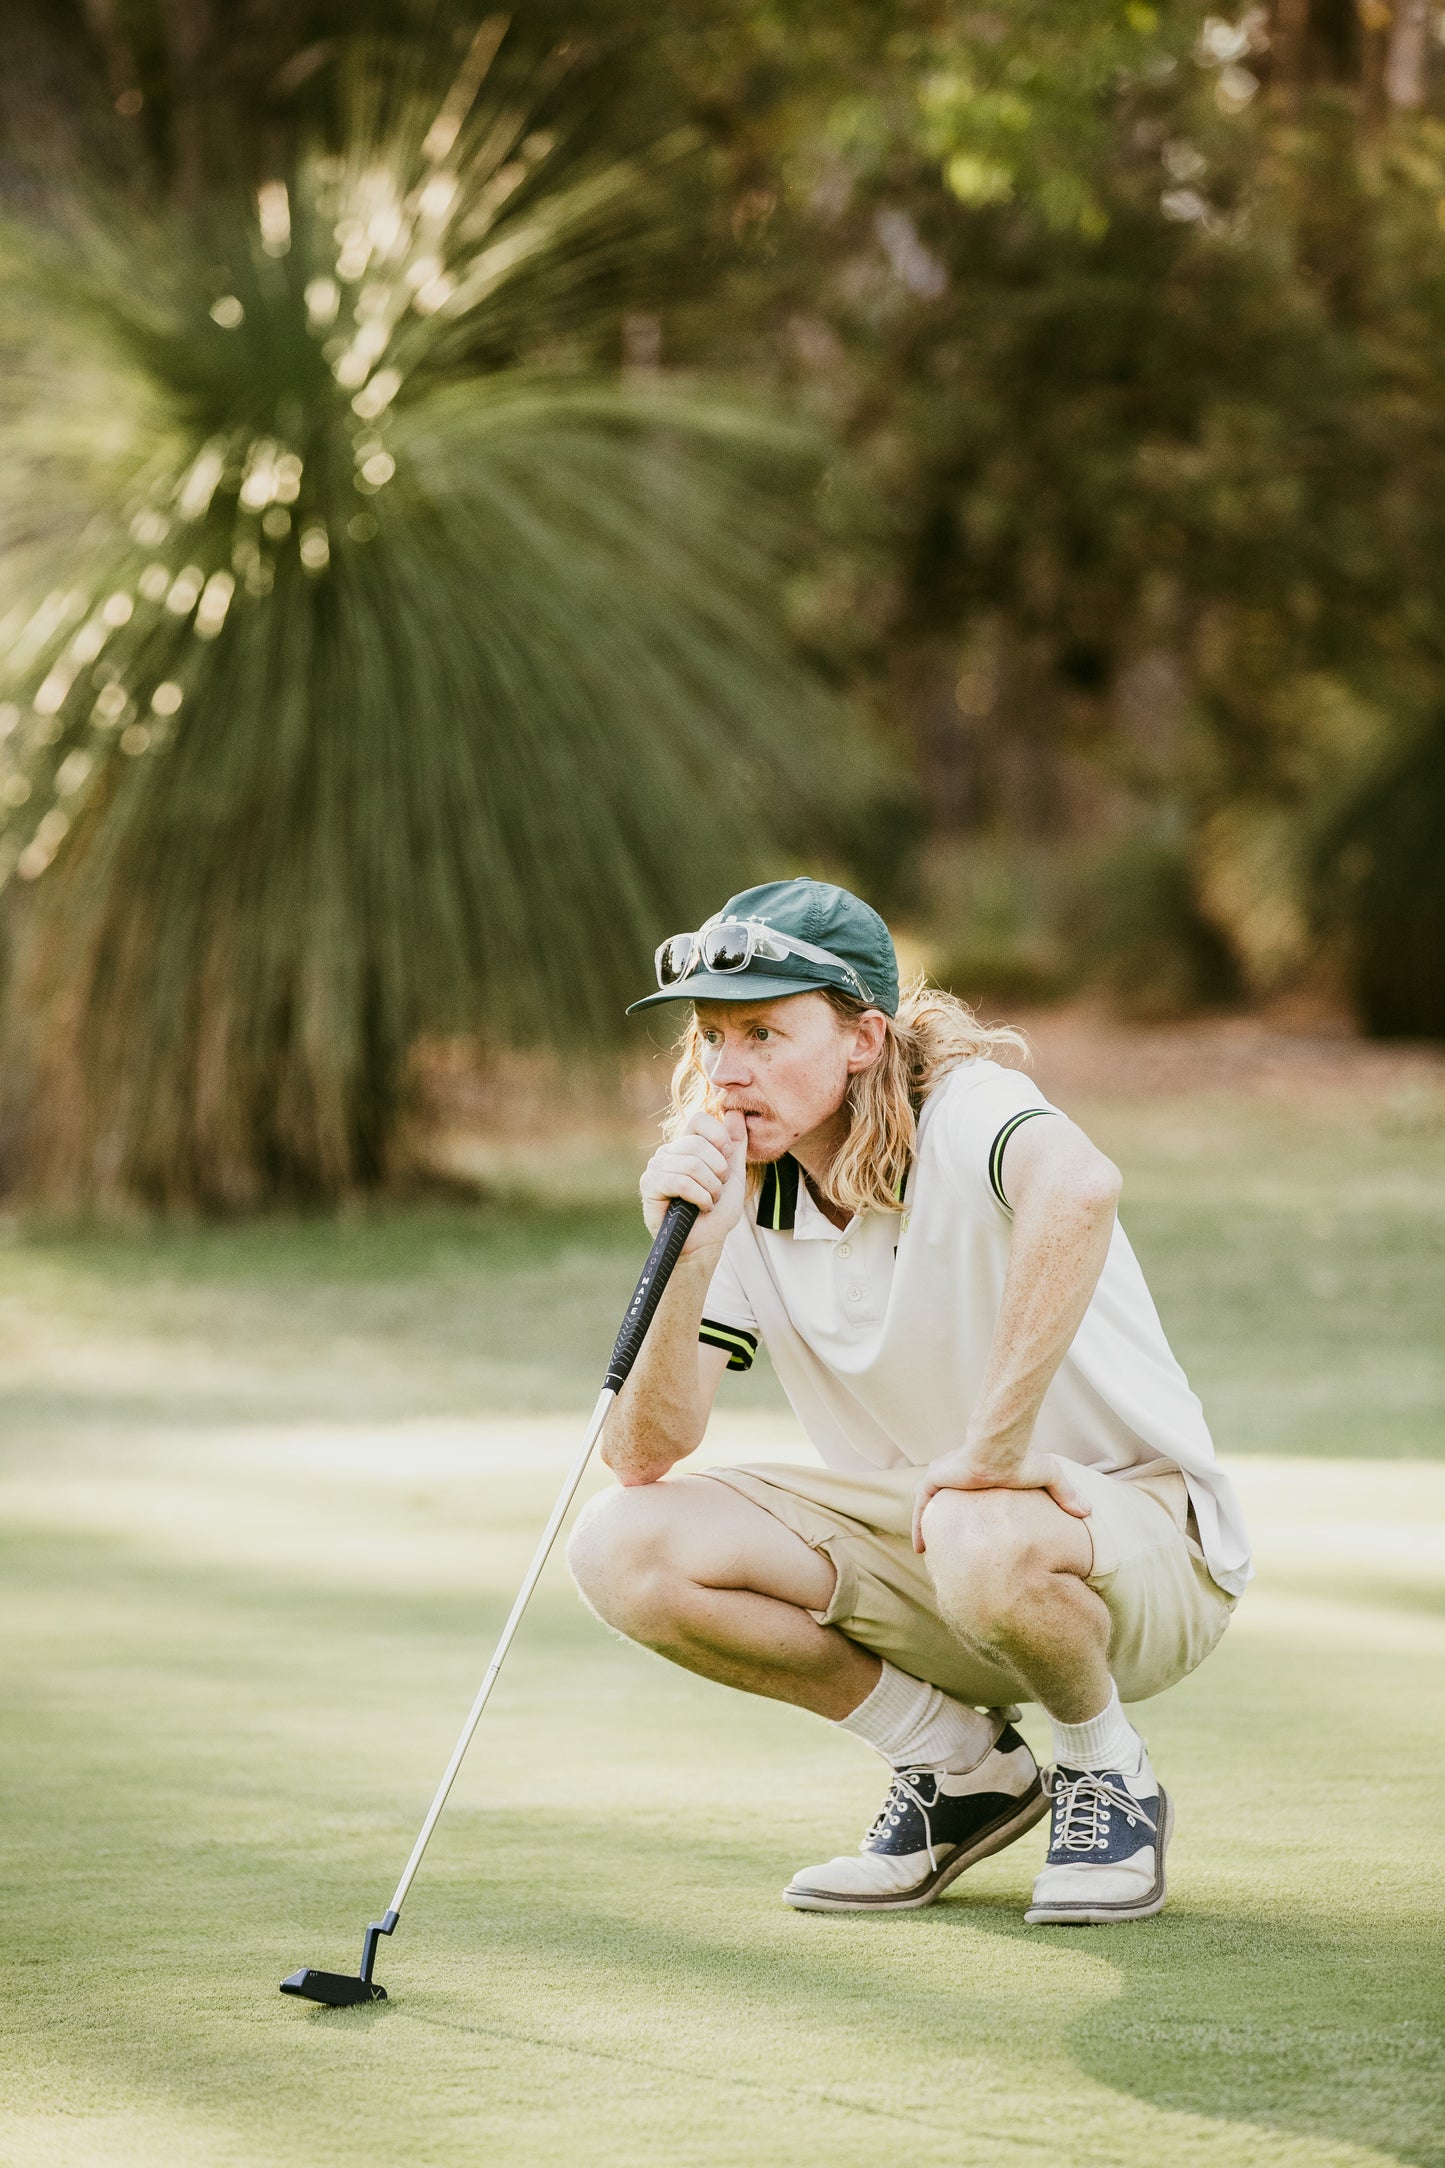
x=778 y=1194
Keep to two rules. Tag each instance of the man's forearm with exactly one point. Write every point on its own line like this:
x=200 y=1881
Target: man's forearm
x=1060 y=1241
x=660 y=1416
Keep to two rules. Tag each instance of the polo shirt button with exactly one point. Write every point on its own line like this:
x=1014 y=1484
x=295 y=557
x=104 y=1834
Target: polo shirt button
x=845 y=1249
x=855 y=1294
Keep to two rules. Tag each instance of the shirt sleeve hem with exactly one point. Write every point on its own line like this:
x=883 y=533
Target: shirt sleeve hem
x=996 y=1152
x=740 y=1347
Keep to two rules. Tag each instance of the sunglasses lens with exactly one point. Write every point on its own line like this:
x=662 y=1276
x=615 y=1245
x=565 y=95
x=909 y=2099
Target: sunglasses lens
x=726 y=948
x=673 y=959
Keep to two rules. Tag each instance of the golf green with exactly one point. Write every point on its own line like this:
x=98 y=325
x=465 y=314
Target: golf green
x=256 y=1541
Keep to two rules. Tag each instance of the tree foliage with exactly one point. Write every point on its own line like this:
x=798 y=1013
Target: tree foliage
x=1125 y=323
x=1134 y=320
x=425 y=672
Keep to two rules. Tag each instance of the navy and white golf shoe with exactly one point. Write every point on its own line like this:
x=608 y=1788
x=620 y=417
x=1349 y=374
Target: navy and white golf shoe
x=933 y=1824
x=1107 y=1843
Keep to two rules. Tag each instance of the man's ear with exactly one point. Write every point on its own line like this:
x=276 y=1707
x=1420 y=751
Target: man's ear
x=871 y=1030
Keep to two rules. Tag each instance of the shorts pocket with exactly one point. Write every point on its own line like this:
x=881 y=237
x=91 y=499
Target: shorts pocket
x=843 y=1602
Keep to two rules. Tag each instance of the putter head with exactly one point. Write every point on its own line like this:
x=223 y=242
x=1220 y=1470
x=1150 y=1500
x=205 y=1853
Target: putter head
x=336 y=1988
x=339 y=1989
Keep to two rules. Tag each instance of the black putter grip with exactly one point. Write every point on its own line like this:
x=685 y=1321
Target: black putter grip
x=665 y=1251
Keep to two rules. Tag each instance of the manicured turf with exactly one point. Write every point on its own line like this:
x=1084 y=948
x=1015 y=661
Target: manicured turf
x=256 y=1539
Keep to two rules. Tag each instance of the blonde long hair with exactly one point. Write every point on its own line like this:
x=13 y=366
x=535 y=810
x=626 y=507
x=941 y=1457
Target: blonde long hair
x=931 y=1035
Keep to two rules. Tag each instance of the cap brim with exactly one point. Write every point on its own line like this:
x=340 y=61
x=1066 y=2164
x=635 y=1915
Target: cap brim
x=730 y=986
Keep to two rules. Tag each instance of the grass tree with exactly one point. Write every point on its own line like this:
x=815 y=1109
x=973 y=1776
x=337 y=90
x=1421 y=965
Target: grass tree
x=381 y=666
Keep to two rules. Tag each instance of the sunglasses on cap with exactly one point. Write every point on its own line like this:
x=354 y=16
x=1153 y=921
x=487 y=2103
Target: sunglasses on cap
x=730 y=944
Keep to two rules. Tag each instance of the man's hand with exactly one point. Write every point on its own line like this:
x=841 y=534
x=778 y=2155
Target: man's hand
x=707 y=1165
x=965 y=1468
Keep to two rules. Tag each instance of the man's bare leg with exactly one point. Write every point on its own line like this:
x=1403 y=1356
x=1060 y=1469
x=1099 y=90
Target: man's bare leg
x=692 y=1569
x=1010 y=1569
x=714 y=1582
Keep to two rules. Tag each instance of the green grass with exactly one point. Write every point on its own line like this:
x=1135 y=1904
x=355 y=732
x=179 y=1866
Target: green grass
x=264 y=1495
x=1297 y=1257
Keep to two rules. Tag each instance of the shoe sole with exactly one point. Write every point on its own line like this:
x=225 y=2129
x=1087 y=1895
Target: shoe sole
x=1031 y=1808
x=1096 y=1915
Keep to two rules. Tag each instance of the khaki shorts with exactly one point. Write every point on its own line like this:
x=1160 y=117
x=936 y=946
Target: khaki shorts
x=1166 y=1610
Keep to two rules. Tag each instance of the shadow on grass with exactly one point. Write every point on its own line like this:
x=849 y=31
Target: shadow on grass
x=387 y=1241
x=649 y=1937
x=357 y=2017
x=628 y=1940
x=1329 y=2032
x=1397 y=1592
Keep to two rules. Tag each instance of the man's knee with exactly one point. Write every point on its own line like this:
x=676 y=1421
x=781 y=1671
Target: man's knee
x=992 y=1552
x=620 y=1556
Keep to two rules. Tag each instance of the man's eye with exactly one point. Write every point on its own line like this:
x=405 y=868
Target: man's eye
x=711 y=1038
x=762 y=1032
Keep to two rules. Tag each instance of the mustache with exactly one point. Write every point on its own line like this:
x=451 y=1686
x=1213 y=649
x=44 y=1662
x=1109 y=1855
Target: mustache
x=733 y=1104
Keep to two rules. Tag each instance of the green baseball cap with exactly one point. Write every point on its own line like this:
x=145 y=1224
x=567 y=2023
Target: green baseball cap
x=857 y=949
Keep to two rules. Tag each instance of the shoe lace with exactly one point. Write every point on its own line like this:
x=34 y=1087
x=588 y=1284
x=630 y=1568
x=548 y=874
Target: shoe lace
x=1082 y=1807
x=903 y=1790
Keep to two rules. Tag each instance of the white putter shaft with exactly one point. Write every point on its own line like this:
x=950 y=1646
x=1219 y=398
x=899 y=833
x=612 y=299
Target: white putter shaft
x=539 y=1559
x=340 y=1990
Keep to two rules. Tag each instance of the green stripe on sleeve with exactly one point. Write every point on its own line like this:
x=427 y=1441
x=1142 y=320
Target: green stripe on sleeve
x=995 y=1157
x=740 y=1347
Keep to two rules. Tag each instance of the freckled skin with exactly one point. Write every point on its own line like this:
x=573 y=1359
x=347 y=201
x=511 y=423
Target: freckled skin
x=711 y=1580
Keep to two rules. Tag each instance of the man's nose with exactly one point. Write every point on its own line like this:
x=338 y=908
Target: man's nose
x=730 y=1069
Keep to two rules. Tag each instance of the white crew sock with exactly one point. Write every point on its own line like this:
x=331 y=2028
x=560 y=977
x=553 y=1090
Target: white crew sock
x=1106 y=1741
x=914 y=1726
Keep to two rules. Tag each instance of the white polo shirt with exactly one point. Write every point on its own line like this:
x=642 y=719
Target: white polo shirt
x=880 y=1332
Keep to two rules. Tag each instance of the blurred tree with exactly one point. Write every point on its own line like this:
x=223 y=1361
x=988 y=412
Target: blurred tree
x=1380 y=877
x=1134 y=319
x=1131 y=317
x=421 y=671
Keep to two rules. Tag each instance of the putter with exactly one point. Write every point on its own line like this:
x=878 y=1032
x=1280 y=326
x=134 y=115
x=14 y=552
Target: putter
x=342 y=1988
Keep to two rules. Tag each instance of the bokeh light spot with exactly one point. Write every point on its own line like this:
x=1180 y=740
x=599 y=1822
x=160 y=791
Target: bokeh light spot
x=315 y=548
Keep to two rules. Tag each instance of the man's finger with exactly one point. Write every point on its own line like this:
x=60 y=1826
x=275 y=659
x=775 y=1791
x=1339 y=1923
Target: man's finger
x=688 y=1188
x=920 y=1500
x=1064 y=1494
x=668 y=1181
x=709 y=1126
x=700 y=1151
x=688 y=1151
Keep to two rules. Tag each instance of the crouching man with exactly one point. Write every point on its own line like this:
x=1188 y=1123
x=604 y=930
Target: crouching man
x=1020 y=1500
